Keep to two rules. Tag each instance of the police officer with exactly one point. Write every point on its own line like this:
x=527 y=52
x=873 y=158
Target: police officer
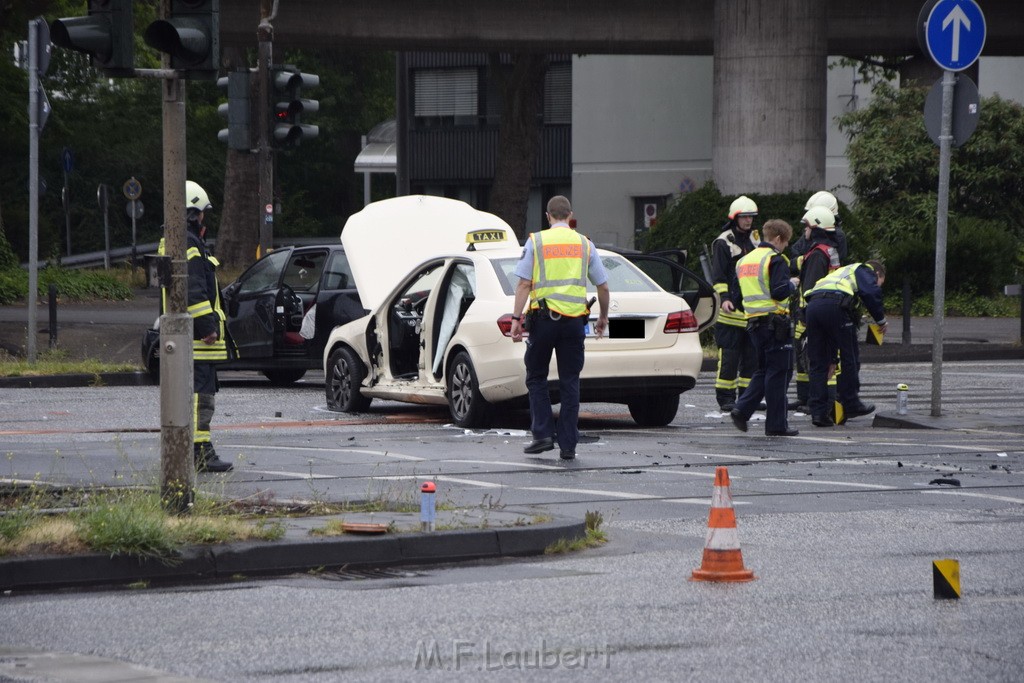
x=553 y=272
x=764 y=279
x=208 y=332
x=820 y=257
x=833 y=317
x=737 y=359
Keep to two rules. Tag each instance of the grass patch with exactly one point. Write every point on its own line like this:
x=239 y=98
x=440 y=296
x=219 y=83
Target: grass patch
x=593 y=537
x=56 y=362
x=119 y=522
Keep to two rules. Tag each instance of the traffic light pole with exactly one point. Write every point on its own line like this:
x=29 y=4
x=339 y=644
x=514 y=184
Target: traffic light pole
x=265 y=153
x=33 y=186
x=177 y=475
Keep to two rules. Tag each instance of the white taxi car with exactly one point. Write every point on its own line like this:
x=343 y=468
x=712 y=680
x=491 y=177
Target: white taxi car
x=436 y=276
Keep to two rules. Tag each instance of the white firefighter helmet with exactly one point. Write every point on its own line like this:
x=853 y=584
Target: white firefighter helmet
x=196 y=197
x=742 y=206
x=823 y=198
x=820 y=217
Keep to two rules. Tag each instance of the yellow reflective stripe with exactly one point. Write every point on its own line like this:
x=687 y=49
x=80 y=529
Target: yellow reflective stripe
x=192 y=252
x=200 y=309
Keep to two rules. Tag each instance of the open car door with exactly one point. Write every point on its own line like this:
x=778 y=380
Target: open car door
x=683 y=282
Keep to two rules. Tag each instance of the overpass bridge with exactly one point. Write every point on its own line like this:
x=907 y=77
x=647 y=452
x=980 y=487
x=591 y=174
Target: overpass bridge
x=769 y=68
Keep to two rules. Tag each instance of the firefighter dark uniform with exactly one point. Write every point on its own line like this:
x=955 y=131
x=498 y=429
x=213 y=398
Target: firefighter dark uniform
x=820 y=255
x=763 y=277
x=203 y=304
x=737 y=359
x=833 y=317
x=559 y=262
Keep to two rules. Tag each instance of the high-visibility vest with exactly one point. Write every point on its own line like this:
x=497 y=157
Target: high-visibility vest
x=201 y=351
x=841 y=280
x=752 y=273
x=560 y=260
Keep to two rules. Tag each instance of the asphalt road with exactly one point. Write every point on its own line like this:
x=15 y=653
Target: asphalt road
x=839 y=525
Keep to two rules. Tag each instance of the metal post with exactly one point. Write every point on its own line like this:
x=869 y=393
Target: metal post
x=906 y=311
x=52 y=291
x=265 y=154
x=105 y=208
x=402 y=186
x=33 y=186
x=942 y=215
x=177 y=475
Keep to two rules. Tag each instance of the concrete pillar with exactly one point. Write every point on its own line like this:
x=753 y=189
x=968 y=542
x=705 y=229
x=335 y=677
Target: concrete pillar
x=770 y=70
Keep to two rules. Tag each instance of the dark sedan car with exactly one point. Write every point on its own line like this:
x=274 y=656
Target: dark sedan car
x=266 y=307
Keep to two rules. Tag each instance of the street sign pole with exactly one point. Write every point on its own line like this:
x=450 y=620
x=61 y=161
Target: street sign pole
x=941 y=226
x=954 y=35
x=102 y=198
x=33 y=184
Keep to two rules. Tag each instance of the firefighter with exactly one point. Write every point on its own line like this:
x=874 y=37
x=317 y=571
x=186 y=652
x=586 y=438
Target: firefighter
x=833 y=316
x=821 y=256
x=209 y=344
x=737 y=359
x=764 y=279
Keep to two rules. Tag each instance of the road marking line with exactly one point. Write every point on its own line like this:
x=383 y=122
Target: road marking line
x=620 y=494
x=342 y=449
x=830 y=483
x=506 y=464
x=428 y=477
x=990 y=496
x=293 y=475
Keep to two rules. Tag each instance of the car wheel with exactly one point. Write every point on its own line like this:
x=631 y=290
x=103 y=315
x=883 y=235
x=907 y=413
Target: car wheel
x=654 y=411
x=282 y=378
x=345 y=374
x=467 y=406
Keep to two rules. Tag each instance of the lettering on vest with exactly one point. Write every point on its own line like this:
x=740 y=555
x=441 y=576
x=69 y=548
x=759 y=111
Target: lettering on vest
x=563 y=251
x=748 y=270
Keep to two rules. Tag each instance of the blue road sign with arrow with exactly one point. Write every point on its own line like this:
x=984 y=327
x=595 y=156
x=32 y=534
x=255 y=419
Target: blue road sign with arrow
x=955 y=33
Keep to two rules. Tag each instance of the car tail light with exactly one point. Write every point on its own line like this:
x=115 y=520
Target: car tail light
x=505 y=325
x=681 y=321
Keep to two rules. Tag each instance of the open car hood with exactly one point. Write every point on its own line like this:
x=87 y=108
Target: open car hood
x=385 y=240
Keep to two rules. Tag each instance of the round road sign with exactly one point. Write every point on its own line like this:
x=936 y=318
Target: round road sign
x=132 y=188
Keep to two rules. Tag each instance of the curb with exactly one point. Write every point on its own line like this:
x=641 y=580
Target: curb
x=225 y=562
x=109 y=379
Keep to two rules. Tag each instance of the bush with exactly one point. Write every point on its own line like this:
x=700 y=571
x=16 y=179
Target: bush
x=72 y=285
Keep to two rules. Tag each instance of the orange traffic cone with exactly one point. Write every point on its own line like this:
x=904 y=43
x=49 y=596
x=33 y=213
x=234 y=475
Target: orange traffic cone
x=723 y=559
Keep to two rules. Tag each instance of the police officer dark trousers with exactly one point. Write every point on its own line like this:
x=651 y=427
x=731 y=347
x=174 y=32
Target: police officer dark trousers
x=553 y=273
x=764 y=279
x=832 y=321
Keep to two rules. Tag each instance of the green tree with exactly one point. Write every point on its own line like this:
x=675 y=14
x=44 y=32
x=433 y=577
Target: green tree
x=894 y=165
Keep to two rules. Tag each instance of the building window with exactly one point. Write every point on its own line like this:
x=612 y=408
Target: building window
x=446 y=93
x=558 y=93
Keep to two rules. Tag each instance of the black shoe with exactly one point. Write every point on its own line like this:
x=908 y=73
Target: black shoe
x=738 y=420
x=794 y=405
x=858 y=410
x=567 y=455
x=762 y=406
x=207 y=460
x=803 y=408
x=823 y=421
x=727 y=407
x=788 y=432
x=540 y=445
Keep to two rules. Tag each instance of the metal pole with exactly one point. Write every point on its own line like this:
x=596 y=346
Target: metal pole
x=105 y=205
x=265 y=155
x=366 y=176
x=52 y=291
x=942 y=215
x=33 y=186
x=177 y=475
x=906 y=311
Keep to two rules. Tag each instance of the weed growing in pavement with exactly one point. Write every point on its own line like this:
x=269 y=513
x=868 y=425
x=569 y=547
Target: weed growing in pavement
x=593 y=536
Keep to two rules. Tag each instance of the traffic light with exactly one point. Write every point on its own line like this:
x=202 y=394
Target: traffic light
x=286 y=123
x=107 y=35
x=191 y=36
x=236 y=110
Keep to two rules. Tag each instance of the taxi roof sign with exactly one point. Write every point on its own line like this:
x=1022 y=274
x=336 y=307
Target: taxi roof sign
x=474 y=237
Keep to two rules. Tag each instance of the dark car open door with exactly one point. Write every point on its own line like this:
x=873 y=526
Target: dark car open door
x=673 y=277
x=337 y=302
x=250 y=303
